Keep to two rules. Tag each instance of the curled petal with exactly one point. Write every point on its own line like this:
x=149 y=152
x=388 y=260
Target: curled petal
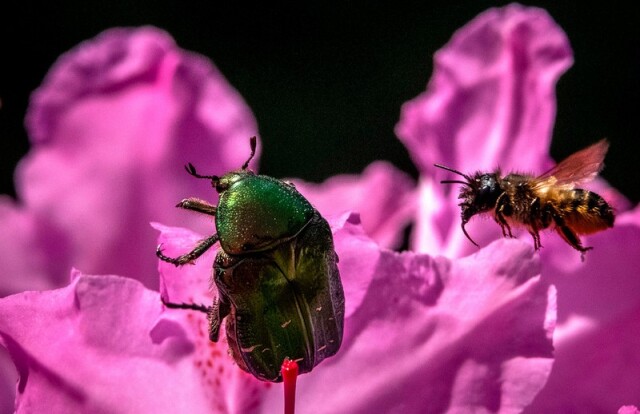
x=433 y=335
x=490 y=100
x=489 y=103
x=104 y=344
x=358 y=257
x=111 y=126
x=428 y=334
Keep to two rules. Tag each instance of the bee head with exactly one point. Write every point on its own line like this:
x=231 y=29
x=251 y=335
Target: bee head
x=479 y=193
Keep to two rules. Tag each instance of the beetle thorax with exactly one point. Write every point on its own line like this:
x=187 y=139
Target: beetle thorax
x=257 y=212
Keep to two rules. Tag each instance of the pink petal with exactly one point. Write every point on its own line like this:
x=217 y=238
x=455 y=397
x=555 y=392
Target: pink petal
x=383 y=196
x=433 y=335
x=8 y=378
x=490 y=102
x=112 y=125
x=29 y=260
x=104 y=344
x=358 y=257
x=190 y=283
x=491 y=98
x=628 y=409
x=475 y=334
x=598 y=337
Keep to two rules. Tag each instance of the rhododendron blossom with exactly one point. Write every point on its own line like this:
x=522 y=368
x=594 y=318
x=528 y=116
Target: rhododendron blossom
x=106 y=344
x=446 y=327
x=491 y=102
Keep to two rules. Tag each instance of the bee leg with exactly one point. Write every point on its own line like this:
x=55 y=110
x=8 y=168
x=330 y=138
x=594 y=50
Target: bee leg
x=200 y=206
x=467 y=234
x=570 y=237
x=536 y=217
x=503 y=225
x=502 y=210
x=202 y=247
x=217 y=313
x=536 y=238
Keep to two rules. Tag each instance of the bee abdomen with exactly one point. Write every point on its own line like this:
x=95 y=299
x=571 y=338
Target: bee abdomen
x=586 y=212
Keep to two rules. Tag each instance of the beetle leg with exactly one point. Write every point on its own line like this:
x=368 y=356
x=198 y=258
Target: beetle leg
x=200 y=206
x=188 y=306
x=202 y=247
x=217 y=313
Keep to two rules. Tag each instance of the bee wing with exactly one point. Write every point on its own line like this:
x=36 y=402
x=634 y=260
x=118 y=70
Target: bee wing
x=577 y=168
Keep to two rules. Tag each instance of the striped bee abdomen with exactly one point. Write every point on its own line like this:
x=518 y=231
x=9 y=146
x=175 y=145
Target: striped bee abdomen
x=585 y=212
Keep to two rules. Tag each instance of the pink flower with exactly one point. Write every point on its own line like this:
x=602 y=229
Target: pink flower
x=431 y=331
x=447 y=309
x=491 y=103
x=421 y=333
x=111 y=127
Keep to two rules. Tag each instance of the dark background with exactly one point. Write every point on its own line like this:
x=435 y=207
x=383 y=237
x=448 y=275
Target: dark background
x=326 y=82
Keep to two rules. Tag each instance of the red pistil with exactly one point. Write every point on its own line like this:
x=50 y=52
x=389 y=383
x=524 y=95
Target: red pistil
x=289 y=372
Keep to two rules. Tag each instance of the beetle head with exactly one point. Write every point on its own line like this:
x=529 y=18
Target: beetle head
x=221 y=184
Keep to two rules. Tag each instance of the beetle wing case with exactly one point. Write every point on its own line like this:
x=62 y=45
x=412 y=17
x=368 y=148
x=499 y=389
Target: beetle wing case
x=276 y=273
x=286 y=302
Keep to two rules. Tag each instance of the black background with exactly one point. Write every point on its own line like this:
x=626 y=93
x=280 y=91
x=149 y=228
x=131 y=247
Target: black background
x=326 y=81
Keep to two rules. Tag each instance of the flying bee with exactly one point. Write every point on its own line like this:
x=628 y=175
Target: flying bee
x=549 y=201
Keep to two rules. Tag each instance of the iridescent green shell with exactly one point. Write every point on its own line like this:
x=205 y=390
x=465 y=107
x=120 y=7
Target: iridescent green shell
x=256 y=212
x=286 y=302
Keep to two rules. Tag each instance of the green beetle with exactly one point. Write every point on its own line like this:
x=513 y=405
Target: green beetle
x=276 y=273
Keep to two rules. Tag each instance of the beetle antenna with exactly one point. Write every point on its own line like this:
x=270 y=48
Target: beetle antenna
x=252 y=143
x=192 y=171
x=453 y=171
